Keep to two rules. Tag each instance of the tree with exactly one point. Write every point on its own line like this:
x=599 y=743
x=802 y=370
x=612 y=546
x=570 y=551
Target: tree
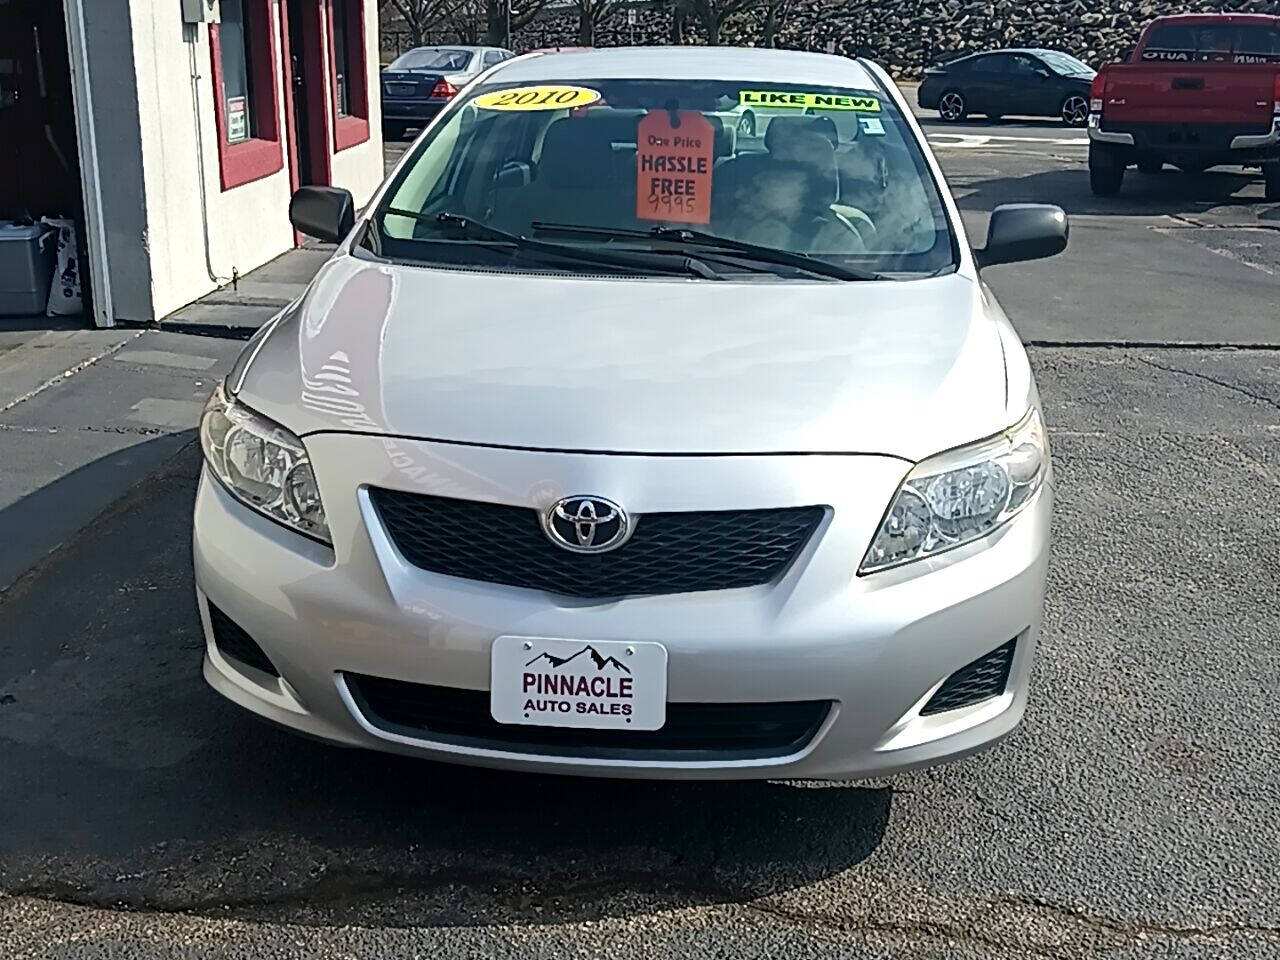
x=774 y=14
x=434 y=18
x=592 y=13
x=503 y=18
x=713 y=13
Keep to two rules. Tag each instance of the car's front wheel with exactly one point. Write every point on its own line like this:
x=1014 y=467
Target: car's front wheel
x=1106 y=170
x=952 y=107
x=1075 y=110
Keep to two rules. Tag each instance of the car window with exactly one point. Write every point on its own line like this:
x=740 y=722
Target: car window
x=1022 y=65
x=428 y=58
x=830 y=172
x=1066 y=64
x=996 y=63
x=1213 y=43
x=493 y=56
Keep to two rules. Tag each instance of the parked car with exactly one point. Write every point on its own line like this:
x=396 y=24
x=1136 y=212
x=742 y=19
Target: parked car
x=417 y=84
x=999 y=83
x=1198 y=90
x=664 y=462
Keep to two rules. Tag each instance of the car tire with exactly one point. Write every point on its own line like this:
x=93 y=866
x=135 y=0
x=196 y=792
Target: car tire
x=1271 y=177
x=1106 y=170
x=747 y=125
x=952 y=106
x=1074 y=110
x=1150 y=165
x=393 y=131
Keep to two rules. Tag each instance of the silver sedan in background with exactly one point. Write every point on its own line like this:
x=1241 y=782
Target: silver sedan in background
x=609 y=443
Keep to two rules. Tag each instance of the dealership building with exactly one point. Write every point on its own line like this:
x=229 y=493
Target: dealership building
x=174 y=131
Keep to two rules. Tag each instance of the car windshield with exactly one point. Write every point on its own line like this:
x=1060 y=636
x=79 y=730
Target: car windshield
x=429 y=59
x=815 y=174
x=1066 y=64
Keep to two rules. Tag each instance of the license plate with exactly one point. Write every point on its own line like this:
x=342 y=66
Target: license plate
x=604 y=685
x=401 y=89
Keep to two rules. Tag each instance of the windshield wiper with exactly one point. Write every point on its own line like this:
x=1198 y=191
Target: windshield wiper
x=710 y=241
x=638 y=261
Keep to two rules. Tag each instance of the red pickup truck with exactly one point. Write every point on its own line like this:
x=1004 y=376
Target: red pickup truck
x=1197 y=91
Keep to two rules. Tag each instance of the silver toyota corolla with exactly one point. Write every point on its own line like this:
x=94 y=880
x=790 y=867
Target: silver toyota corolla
x=610 y=442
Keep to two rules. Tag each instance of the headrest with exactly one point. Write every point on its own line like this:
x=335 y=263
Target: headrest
x=726 y=137
x=576 y=152
x=783 y=128
x=827 y=127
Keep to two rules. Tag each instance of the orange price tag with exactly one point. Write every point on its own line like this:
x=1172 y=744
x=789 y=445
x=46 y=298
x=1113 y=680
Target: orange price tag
x=673 y=167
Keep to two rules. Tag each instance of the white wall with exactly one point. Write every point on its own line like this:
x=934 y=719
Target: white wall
x=247 y=225
x=360 y=168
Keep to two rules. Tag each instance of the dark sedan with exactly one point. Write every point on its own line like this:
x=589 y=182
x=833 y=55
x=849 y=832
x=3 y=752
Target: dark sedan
x=419 y=84
x=1035 y=83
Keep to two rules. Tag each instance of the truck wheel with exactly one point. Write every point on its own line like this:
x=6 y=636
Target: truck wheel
x=1150 y=165
x=1106 y=171
x=1271 y=171
x=392 y=130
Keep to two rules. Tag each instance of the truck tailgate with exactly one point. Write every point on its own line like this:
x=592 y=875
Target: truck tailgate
x=1201 y=93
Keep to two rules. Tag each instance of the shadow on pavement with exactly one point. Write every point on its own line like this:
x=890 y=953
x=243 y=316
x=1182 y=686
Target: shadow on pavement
x=128 y=783
x=1171 y=192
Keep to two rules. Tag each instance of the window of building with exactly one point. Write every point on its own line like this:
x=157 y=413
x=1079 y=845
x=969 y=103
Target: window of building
x=347 y=64
x=243 y=51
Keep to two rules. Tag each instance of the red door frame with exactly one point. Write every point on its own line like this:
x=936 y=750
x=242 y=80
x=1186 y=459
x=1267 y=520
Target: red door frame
x=317 y=106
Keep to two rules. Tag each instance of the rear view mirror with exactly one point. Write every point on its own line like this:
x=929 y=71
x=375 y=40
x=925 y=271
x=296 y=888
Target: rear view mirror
x=326 y=213
x=1024 y=231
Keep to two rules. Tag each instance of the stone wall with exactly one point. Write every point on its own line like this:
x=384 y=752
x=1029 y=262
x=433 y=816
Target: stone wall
x=905 y=35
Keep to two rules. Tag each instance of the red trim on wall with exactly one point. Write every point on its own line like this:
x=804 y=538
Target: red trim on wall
x=261 y=155
x=313 y=30
x=354 y=128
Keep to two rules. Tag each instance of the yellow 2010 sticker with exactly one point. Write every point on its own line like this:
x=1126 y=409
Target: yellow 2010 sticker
x=542 y=97
x=801 y=101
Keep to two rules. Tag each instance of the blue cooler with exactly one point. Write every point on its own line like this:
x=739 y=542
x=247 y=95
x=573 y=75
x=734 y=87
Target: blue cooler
x=27 y=256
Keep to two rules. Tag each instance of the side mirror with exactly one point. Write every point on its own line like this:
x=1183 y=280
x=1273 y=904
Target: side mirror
x=1125 y=55
x=326 y=213
x=1024 y=231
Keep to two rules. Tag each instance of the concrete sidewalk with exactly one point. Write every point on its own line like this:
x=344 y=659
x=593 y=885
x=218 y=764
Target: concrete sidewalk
x=257 y=296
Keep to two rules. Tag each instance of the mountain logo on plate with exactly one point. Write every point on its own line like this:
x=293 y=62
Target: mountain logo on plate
x=600 y=661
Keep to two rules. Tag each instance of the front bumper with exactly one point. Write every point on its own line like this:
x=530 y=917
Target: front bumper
x=877 y=647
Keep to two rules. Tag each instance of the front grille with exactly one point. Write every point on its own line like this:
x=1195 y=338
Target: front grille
x=234 y=642
x=981 y=680
x=667 y=553
x=693 y=731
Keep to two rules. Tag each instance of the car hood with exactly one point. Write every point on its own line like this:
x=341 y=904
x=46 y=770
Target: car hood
x=667 y=366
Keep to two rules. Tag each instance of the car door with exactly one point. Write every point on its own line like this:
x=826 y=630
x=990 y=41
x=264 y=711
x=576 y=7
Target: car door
x=984 y=83
x=1033 y=87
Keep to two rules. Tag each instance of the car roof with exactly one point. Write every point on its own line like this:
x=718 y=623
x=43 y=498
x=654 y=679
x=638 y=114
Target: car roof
x=689 y=63
x=1190 y=19
x=1034 y=51
x=449 y=46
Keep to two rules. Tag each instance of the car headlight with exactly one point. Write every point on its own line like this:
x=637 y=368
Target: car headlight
x=962 y=495
x=262 y=464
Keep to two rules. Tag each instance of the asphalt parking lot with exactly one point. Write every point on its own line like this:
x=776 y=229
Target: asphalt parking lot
x=1132 y=816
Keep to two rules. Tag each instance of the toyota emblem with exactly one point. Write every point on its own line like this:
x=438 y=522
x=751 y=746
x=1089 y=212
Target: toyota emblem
x=586 y=524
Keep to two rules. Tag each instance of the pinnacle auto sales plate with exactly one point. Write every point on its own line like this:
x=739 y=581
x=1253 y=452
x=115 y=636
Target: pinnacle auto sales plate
x=605 y=684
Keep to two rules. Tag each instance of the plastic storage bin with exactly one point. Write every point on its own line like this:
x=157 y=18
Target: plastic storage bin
x=27 y=254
